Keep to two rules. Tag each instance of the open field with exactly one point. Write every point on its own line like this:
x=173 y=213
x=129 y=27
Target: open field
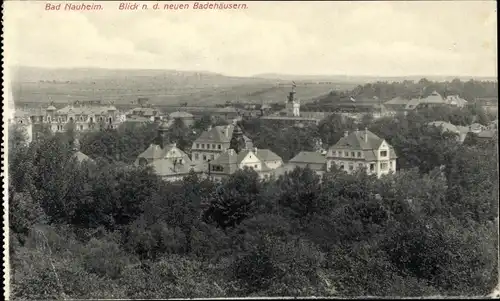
x=162 y=87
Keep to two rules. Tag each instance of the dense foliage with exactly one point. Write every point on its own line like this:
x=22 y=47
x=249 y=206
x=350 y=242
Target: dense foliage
x=106 y=229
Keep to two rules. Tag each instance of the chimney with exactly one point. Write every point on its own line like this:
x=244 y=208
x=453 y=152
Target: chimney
x=255 y=150
x=209 y=128
x=227 y=131
x=174 y=144
x=366 y=134
x=346 y=133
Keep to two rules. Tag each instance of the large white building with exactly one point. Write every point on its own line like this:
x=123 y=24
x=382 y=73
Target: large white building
x=362 y=149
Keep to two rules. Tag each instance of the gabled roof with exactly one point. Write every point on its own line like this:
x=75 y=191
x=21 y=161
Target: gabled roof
x=356 y=140
x=266 y=155
x=155 y=152
x=433 y=98
x=309 y=157
x=233 y=159
x=219 y=134
x=165 y=167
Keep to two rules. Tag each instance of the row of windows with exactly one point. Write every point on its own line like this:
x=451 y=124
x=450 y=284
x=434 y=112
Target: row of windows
x=205 y=158
x=346 y=154
x=383 y=166
x=214 y=146
x=354 y=154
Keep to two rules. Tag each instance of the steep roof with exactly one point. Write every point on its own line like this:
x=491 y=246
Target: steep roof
x=266 y=155
x=356 y=140
x=219 y=134
x=433 y=98
x=233 y=159
x=155 y=152
x=309 y=157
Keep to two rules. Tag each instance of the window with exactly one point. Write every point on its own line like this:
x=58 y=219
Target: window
x=48 y=118
x=359 y=154
x=219 y=146
x=196 y=156
x=81 y=127
x=384 y=166
x=383 y=153
x=204 y=158
x=372 y=166
x=341 y=166
x=213 y=146
x=255 y=166
x=197 y=145
x=346 y=154
x=353 y=154
x=351 y=167
x=212 y=157
x=202 y=145
x=360 y=165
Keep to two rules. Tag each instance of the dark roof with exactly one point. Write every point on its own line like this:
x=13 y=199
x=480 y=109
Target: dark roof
x=357 y=140
x=219 y=134
x=309 y=157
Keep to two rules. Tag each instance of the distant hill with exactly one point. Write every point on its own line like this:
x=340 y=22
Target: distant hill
x=168 y=87
x=362 y=79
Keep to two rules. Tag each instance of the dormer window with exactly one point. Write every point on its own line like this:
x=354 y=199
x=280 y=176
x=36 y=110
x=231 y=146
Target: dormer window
x=383 y=153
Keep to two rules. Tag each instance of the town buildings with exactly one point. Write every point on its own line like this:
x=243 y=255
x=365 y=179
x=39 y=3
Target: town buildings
x=81 y=116
x=292 y=115
x=313 y=160
x=168 y=161
x=239 y=156
x=144 y=112
x=400 y=104
x=362 y=150
x=214 y=141
x=185 y=117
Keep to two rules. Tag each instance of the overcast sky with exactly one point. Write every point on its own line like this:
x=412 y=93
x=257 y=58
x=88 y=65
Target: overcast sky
x=316 y=38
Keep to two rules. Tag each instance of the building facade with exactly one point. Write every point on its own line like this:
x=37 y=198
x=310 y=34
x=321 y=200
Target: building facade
x=239 y=156
x=168 y=161
x=362 y=150
x=214 y=141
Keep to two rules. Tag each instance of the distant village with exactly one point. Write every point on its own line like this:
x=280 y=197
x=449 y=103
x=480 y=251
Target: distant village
x=221 y=150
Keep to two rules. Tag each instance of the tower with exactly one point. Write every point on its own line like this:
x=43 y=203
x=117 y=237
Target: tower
x=293 y=104
x=237 y=142
x=162 y=136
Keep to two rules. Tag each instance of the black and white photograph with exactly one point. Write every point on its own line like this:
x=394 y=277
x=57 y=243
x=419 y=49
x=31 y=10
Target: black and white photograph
x=231 y=149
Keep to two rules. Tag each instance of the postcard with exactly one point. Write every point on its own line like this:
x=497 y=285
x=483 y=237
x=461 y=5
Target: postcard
x=258 y=149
